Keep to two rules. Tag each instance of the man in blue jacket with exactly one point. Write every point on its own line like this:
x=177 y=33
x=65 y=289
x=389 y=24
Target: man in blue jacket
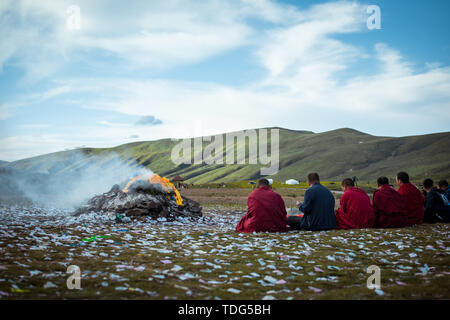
x=318 y=208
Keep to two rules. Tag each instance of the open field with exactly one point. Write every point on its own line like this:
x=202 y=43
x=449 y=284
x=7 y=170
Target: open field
x=208 y=260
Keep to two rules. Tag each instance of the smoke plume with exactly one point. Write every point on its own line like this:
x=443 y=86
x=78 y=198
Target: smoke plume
x=69 y=182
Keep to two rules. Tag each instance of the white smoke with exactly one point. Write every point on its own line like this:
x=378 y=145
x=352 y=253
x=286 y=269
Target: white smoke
x=71 y=182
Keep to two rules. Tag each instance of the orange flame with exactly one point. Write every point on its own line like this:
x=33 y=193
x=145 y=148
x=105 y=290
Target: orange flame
x=163 y=181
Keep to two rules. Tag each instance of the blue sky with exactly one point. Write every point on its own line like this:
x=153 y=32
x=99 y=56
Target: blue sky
x=144 y=70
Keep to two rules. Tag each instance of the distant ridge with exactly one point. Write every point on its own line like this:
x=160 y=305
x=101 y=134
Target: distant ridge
x=334 y=154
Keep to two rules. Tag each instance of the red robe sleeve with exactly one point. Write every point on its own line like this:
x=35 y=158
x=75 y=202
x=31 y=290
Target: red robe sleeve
x=341 y=216
x=251 y=207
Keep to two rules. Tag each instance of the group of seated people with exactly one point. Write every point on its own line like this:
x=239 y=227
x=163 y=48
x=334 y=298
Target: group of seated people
x=389 y=208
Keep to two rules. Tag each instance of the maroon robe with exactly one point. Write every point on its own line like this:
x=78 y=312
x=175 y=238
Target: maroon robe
x=414 y=202
x=389 y=207
x=266 y=212
x=356 y=211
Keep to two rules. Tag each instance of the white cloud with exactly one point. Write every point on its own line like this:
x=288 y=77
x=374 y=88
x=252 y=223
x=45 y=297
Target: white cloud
x=114 y=124
x=35 y=126
x=393 y=63
x=18 y=147
x=298 y=49
x=270 y=11
x=397 y=87
x=157 y=34
x=306 y=54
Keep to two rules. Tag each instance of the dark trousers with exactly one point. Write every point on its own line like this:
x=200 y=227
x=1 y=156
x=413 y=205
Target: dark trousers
x=295 y=222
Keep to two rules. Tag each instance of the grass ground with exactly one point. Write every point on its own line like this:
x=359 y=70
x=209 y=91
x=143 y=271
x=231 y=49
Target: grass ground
x=208 y=260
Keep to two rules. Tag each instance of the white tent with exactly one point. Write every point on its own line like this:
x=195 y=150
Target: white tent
x=270 y=181
x=292 y=181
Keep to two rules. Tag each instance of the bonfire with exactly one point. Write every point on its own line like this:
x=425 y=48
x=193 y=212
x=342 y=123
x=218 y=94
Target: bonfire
x=144 y=195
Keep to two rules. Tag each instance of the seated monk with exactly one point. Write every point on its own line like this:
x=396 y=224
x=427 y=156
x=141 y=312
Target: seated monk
x=266 y=211
x=389 y=207
x=436 y=207
x=355 y=211
x=413 y=199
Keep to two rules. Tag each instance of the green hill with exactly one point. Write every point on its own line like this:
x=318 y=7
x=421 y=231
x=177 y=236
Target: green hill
x=334 y=154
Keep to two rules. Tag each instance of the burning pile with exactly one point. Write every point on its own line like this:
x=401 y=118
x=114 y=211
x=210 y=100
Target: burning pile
x=144 y=195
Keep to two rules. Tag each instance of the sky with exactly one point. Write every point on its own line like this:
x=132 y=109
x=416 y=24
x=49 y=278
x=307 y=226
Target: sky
x=129 y=71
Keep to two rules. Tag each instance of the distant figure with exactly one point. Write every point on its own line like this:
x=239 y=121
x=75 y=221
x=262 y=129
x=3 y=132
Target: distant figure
x=266 y=211
x=355 y=179
x=436 y=208
x=318 y=208
x=414 y=200
x=443 y=188
x=355 y=211
x=389 y=207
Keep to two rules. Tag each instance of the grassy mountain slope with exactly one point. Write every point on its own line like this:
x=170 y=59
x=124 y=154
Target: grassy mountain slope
x=334 y=154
